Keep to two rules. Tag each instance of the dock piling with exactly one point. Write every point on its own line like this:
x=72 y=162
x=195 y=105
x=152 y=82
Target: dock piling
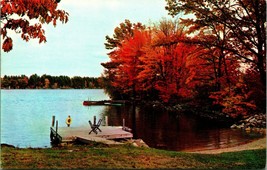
x=56 y=127
x=53 y=121
x=123 y=123
x=54 y=136
x=106 y=120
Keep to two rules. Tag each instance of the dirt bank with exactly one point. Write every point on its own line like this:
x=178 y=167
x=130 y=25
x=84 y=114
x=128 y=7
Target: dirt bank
x=256 y=144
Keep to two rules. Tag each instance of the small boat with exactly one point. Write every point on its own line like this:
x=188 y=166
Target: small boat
x=113 y=104
x=105 y=102
x=92 y=103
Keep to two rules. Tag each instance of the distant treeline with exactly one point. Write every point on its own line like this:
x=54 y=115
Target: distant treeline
x=50 y=82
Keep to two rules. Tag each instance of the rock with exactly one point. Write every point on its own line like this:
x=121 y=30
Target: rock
x=141 y=143
x=259 y=121
x=248 y=129
x=240 y=127
x=134 y=144
x=138 y=143
x=250 y=123
x=252 y=120
x=234 y=126
x=257 y=129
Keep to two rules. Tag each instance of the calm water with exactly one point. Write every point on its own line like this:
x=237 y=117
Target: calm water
x=26 y=119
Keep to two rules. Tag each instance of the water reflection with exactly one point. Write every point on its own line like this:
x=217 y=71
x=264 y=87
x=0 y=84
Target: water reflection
x=164 y=130
x=26 y=120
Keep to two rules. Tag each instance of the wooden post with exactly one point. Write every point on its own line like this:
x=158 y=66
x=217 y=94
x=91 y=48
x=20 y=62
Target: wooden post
x=94 y=120
x=53 y=121
x=123 y=123
x=56 y=127
x=106 y=120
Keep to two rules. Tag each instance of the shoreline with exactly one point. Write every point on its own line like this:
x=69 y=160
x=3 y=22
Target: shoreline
x=255 y=144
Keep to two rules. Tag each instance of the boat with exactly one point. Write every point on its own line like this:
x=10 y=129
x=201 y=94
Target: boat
x=105 y=102
x=91 y=103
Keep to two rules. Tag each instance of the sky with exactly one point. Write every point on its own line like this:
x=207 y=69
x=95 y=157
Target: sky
x=77 y=47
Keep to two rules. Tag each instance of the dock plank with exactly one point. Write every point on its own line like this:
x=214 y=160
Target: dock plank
x=81 y=134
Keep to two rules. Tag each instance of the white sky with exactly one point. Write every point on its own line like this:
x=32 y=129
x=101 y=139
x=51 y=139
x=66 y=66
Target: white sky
x=77 y=48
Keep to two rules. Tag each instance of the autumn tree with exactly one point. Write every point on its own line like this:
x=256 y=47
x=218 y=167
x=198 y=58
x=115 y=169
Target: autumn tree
x=153 y=63
x=127 y=57
x=26 y=17
x=164 y=58
x=234 y=33
x=244 y=20
x=166 y=61
x=122 y=33
x=130 y=67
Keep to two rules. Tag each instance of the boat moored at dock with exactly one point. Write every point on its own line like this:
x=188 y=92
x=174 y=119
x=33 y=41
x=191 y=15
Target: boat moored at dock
x=105 y=102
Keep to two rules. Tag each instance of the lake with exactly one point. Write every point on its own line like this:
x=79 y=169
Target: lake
x=26 y=117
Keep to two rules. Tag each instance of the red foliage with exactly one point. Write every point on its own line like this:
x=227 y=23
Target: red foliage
x=235 y=100
x=128 y=59
x=166 y=62
x=26 y=17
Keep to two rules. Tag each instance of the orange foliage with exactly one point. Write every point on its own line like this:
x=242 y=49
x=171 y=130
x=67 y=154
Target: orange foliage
x=163 y=62
x=128 y=57
x=18 y=15
x=235 y=101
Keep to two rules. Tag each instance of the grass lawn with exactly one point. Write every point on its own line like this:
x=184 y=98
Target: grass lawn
x=126 y=156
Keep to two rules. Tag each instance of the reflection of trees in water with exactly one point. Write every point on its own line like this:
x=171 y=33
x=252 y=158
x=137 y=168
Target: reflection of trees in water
x=165 y=130
x=116 y=114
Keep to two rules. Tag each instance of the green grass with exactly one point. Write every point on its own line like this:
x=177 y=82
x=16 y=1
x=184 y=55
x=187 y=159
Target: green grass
x=85 y=157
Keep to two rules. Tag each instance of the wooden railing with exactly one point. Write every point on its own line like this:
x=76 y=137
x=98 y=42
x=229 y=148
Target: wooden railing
x=54 y=136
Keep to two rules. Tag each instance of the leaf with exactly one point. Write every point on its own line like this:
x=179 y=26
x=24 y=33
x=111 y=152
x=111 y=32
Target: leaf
x=7 y=44
x=43 y=11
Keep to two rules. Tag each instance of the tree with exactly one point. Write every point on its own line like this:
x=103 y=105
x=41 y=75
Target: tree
x=153 y=64
x=23 y=82
x=235 y=102
x=244 y=21
x=129 y=56
x=77 y=82
x=165 y=61
x=26 y=17
x=34 y=81
x=121 y=33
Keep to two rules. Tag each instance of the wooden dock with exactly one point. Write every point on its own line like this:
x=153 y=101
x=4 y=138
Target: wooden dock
x=71 y=134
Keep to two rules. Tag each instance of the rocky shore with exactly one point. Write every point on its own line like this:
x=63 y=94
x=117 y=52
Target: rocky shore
x=254 y=123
